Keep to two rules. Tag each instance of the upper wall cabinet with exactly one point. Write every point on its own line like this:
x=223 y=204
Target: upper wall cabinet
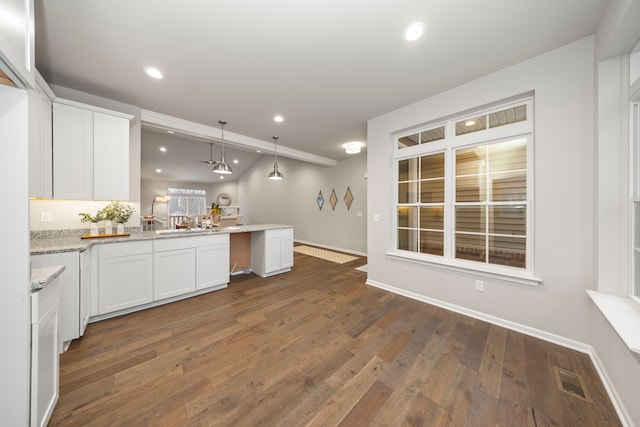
x=17 y=41
x=90 y=152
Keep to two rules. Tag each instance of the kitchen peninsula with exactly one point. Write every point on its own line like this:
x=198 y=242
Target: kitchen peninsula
x=108 y=277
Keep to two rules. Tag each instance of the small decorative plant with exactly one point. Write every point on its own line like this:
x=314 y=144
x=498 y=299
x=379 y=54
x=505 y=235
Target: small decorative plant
x=214 y=209
x=118 y=212
x=87 y=217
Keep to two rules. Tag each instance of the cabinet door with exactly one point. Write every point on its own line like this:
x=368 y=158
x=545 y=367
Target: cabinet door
x=273 y=254
x=40 y=148
x=110 y=157
x=72 y=152
x=212 y=266
x=125 y=281
x=286 y=248
x=174 y=273
x=17 y=39
x=69 y=290
x=85 y=289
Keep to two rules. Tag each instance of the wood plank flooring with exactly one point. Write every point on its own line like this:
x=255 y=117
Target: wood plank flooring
x=317 y=347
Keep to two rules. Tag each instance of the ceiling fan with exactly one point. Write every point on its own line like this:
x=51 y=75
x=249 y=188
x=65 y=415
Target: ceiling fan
x=210 y=162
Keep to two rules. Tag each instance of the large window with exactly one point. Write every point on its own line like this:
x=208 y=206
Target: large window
x=184 y=201
x=463 y=189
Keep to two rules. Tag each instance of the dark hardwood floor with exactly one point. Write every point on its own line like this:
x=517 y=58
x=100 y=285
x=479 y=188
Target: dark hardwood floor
x=317 y=347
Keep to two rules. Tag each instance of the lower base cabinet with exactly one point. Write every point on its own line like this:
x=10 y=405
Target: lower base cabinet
x=45 y=348
x=272 y=251
x=125 y=276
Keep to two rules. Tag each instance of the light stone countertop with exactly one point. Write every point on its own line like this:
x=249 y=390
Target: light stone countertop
x=64 y=243
x=42 y=276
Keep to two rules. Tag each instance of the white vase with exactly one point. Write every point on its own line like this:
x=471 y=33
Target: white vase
x=120 y=228
x=93 y=231
x=108 y=227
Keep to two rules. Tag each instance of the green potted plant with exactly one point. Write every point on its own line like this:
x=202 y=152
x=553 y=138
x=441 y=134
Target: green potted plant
x=94 y=220
x=120 y=213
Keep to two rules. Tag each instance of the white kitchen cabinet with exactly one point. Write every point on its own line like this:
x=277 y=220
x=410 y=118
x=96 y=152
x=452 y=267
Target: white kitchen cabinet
x=72 y=152
x=125 y=275
x=45 y=343
x=212 y=262
x=40 y=142
x=17 y=58
x=90 y=153
x=69 y=283
x=174 y=272
x=85 y=289
x=272 y=251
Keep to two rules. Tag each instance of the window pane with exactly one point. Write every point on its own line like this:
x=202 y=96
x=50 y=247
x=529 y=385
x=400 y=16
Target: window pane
x=432 y=218
x=432 y=135
x=508 y=116
x=471 y=125
x=432 y=191
x=471 y=247
x=471 y=219
x=432 y=166
x=471 y=161
x=407 y=217
x=408 y=240
x=506 y=187
x=409 y=141
x=407 y=169
x=408 y=192
x=471 y=189
x=508 y=156
x=509 y=251
x=432 y=242
x=510 y=220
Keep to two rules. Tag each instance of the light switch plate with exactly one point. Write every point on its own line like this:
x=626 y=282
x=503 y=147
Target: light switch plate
x=46 y=217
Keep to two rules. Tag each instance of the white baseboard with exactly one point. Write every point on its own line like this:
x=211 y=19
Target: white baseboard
x=333 y=248
x=625 y=419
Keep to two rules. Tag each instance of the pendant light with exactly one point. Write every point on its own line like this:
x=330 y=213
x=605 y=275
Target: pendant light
x=275 y=175
x=222 y=167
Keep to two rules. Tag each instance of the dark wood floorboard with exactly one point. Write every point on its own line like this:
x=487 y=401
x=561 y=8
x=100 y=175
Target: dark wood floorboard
x=317 y=347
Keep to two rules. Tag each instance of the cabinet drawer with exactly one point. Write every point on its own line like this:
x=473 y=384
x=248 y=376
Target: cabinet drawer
x=189 y=242
x=125 y=249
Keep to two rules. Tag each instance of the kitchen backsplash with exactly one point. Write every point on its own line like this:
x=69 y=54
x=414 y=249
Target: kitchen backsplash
x=63 y=214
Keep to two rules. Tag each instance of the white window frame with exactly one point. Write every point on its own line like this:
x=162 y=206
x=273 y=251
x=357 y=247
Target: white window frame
x=634 y=288
x=449 y=144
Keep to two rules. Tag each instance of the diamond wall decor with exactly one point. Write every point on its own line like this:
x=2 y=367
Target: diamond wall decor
x=320 y=200
x=333 y=199
x=348 y=198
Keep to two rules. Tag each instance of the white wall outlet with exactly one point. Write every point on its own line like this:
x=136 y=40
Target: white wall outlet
x=376 y=217
x=479 y=286
x=358 y=213
x=46 y=217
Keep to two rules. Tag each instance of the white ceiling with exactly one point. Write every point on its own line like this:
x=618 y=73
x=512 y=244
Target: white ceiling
x=327 y=66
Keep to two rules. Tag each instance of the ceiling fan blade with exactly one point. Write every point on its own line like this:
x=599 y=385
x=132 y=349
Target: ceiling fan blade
x=210 y=162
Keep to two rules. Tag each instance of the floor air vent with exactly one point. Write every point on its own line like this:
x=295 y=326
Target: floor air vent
x=571 y=383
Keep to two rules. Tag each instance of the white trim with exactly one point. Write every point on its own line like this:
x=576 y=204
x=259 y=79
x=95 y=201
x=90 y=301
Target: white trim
x=93 y=108
x=40 y=81
x=199 y=130
x=616 y=401
x=623 y=314
x=349 y=251
x=515 y=276
x=621 y=411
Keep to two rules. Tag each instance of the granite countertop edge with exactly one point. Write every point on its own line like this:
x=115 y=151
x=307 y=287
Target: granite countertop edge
x=42 y=276
x=77 y=244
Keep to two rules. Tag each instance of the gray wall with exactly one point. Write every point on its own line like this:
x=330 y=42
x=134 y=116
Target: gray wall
x=293 y=200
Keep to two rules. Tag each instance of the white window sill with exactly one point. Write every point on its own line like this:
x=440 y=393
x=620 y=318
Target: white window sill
x=623 y=314
x=510 y=275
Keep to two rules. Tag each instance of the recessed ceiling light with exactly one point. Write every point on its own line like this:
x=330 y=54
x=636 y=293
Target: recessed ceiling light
x=414 y=31
x=170 y=131
x=278 y=119
x=153 y=72
x=470 y=123
x=221 y=176
x=258 y=151
x=159 y=170
x=163 y=149
x=235 y=161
